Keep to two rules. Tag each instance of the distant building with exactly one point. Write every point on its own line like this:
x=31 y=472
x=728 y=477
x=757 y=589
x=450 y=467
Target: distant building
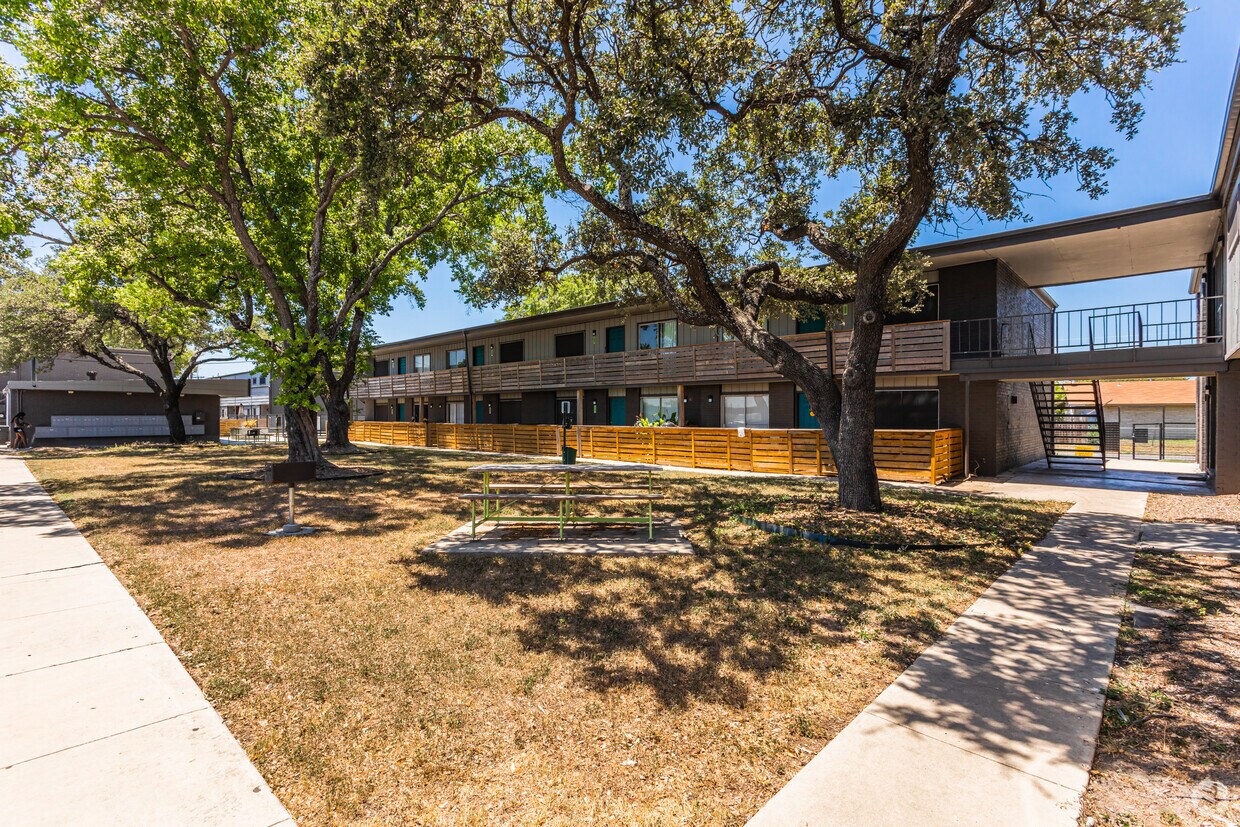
x=76 y=401
x=255 y=403
x=1152 y=401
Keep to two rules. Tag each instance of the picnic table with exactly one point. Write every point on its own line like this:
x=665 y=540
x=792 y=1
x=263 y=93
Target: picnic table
x=566 y=487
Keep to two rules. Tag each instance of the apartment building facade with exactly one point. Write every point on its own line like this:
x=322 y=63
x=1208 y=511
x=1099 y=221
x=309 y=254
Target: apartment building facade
x=966 y=359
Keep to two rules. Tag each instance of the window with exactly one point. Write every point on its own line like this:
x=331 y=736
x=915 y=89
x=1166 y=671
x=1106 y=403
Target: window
x=748 y=410
x=480 y=355
x=456 y=358
x=570 y=344
x=929 y=310
x=659 y=407
x=655 y=335
x=421 y=363
x=722 y=334
x=401 y=366
x=615 y=339
x=512 y=351
x=912 y=409
x=381 y=367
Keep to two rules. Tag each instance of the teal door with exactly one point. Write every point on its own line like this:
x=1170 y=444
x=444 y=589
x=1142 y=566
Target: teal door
x=814 y=324
x=480 y=355
x=479 y=412
x=400 y=412
x=615 y=339
x=805 y=417
x=615 y=411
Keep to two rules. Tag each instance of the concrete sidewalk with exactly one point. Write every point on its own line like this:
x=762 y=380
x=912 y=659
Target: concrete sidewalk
x=997 y=722
x=100 y=724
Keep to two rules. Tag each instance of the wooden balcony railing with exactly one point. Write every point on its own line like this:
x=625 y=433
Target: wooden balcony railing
x=921 y=347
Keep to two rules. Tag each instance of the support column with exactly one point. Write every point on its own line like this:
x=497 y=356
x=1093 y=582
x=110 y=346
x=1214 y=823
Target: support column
x=680 y=405
x=1226 y=420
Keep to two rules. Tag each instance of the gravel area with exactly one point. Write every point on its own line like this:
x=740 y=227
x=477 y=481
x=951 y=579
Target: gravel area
x=1178 y=508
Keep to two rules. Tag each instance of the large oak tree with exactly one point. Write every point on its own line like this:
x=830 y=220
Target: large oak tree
x=206 y=106
x=696 y=137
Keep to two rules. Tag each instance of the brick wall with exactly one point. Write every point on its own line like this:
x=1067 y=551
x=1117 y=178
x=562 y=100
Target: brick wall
x=1001 y=435
x=1019 y=441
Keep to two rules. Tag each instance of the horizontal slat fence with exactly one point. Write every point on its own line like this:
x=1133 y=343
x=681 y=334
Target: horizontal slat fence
x=933 y=456
x=535 y=440
x=227 y=425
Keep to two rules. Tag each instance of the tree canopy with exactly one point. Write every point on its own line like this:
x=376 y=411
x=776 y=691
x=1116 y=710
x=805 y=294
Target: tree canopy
x=696 y=136
x=205 y=109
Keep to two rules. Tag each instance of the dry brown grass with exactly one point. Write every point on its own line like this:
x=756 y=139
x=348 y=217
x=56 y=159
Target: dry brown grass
x=1169 y=750
x=373 y=685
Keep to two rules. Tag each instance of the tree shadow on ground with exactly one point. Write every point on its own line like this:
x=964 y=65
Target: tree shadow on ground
x=742 y=610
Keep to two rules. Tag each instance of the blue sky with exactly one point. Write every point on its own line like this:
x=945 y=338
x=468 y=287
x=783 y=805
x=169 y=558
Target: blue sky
x=1172 y=157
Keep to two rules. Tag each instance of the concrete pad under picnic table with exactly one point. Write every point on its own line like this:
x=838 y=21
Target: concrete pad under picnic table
x=578 y=539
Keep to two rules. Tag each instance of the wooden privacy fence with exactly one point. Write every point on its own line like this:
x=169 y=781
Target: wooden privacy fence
x=504 y=439
x=227 y=425
x=933 y=456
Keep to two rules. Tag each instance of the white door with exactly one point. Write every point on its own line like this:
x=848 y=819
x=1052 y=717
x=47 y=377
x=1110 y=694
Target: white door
x=456 y=413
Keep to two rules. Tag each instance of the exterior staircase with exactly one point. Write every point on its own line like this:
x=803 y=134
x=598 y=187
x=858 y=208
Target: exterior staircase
x=1070 y=419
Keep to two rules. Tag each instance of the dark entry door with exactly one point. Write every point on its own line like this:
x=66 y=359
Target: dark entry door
x=615 y=339
x=616 y=414
x=480 y=409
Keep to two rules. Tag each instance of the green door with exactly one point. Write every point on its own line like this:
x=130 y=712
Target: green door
x=805 y=417
x=615 y=339
x=615 y=411
x=480 y=355
x=479 y=412
x=400 y=412
x=814 y=324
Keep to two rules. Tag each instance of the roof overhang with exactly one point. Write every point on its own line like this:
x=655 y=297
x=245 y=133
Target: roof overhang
x=1159 y=238
x=199 y=387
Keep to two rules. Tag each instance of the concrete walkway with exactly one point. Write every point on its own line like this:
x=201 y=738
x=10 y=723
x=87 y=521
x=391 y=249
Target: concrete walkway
x=997 y=722
x=99 y=722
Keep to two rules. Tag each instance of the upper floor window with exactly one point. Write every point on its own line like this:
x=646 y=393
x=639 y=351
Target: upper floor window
x=570 y=344
x=456 y=358
x=512 y=351
x=655 y=335
x=929 y=311
x=421 y=363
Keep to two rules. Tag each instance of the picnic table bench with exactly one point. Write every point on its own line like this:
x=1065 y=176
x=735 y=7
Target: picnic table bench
x=566 y=494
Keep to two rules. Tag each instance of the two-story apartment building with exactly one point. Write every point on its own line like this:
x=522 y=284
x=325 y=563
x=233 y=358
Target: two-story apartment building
x=986 y=337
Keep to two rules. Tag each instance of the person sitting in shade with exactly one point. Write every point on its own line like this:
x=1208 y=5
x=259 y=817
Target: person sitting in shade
x=18 y=428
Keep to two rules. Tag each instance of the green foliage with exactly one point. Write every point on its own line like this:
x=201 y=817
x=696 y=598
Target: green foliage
x=204 y=112
x=36 y=319
x=658 y=421
x=564 y=293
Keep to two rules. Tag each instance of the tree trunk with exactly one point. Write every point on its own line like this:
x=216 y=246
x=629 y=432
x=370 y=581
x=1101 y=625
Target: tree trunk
x=338 y=418
x=854 y=457
x=303 y=436
x=176 y=425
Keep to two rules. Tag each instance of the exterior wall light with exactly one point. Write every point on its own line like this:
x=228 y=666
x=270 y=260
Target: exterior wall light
x=710 y=400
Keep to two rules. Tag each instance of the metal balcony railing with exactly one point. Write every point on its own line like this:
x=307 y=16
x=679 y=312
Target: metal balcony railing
x=1152 y=324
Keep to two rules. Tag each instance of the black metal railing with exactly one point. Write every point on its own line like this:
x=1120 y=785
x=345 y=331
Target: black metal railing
x=1152 y=324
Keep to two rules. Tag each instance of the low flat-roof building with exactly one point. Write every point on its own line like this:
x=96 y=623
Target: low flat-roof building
x=76 y=401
